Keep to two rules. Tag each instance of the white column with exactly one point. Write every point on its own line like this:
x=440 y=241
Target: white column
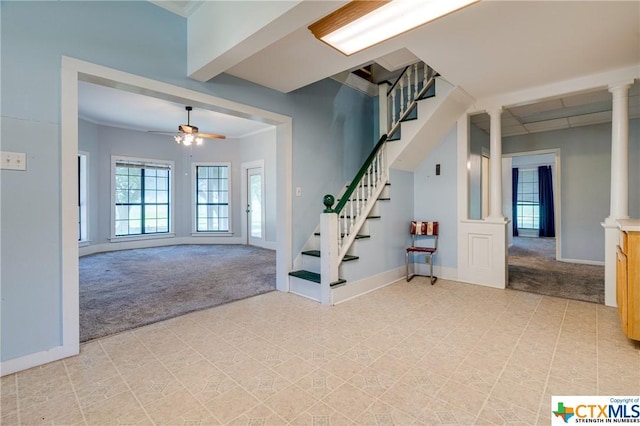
x=495 y=165
x=619 y=207
x=620 y=152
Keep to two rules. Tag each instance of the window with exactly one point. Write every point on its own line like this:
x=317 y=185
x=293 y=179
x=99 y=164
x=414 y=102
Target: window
x=82 y=197
x=212 y=185
x=528 y=207
x=142 y=197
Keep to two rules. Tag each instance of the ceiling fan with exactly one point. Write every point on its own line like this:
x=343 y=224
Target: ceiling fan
x=189 y=134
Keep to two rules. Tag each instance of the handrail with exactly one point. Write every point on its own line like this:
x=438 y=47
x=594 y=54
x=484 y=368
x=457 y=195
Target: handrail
x=393 y=86
x=362 y=193
x=424 y=89
x=363 y=170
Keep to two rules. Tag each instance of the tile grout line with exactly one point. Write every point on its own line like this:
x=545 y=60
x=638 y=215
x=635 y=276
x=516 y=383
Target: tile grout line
x=506 y=362
x=443 y=338
x=260 y=402
x=18 y=398
x=178 y=379
x=126 y=383
x=75 y=393
x=555 y=348
x=597 y=354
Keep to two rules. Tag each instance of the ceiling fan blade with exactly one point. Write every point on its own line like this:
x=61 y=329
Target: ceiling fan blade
x=161 y=132
x=210 y=135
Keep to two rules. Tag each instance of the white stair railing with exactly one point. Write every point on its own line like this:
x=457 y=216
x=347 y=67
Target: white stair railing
x=339 y=226
x=408 y=88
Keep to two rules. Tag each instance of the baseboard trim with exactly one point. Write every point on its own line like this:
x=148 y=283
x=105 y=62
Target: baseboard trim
x=439 y=271
x=351 y=290
x=126 y=245
x=582 y=262
x=36 y=359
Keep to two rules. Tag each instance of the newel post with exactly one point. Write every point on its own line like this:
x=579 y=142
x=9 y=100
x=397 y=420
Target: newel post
x=328 y=249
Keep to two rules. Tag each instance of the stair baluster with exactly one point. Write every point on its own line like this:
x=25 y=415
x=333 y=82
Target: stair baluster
x=340 y=226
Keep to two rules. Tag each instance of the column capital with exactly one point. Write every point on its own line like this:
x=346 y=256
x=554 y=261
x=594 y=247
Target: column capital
x=494 y=111
x=620 y=86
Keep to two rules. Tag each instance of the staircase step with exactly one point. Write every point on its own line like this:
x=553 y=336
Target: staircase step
x=368 y=217
x=314 y=277
x=366 y=199
x=316 y=253
x=358 y=237
x=366 y=185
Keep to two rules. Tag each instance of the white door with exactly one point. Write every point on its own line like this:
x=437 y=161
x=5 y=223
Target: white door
x=255 y=206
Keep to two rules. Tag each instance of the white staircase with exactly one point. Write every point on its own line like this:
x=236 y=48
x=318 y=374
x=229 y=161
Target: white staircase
x=419 y=117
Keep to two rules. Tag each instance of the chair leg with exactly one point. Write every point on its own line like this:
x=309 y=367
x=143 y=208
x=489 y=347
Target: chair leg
x=431 y=277
x=406 y=258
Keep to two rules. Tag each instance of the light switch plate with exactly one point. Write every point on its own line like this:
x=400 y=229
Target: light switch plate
x=13 y=160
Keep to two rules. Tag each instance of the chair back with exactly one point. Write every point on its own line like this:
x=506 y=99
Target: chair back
x=424 y=229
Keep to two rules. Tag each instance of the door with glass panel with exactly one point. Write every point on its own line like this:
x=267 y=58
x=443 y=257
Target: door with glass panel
x=255 y=206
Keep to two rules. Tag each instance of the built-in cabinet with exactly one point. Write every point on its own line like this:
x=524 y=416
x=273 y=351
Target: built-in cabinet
x=628 y=277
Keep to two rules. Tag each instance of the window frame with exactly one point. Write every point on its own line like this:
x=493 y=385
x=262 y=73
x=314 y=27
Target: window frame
x=170 y=165
x=535 y=205
x=194 y=198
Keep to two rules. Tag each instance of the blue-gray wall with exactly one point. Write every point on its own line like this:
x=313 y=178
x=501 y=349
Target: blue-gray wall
x=101 y=142
x=435 y=197
x=332 y=127
x=585 y=174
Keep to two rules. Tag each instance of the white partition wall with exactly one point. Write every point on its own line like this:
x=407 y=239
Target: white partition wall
x=482 y=244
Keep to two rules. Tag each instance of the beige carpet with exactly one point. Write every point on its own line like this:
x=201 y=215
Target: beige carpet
x=533 y=268
x=125 y=289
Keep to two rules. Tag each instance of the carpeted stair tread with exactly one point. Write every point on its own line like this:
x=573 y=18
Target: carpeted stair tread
x=316 y=253
x=314 y=277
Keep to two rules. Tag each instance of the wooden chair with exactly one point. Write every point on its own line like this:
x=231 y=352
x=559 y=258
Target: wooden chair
x=423 y=231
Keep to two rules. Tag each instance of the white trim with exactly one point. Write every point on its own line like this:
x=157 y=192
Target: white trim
x=144 y=161
x=35 y=359
x=351 y=290
x=557 y=190
x=442 y=272
x=212 y=234
x=84 y=197
x=194 y=231
x=582 y=262
x=142 y=237
x=71 y=71
x=244 y=201
x=554 y=90
x=158 y=242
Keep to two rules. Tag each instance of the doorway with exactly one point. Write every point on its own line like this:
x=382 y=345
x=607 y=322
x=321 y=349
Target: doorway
x=74 y=70
x=254 y=199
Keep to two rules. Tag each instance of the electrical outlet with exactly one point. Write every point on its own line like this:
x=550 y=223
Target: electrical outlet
x=13 y=161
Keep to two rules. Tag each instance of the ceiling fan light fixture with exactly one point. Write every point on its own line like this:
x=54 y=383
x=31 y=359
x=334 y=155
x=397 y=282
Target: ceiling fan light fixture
x=362 y=23
x=188 y=139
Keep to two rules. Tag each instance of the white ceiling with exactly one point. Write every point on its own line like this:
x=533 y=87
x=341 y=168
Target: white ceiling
x=118 y=108
x=488 y=49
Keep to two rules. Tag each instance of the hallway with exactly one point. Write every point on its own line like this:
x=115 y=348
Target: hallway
x=533 y=268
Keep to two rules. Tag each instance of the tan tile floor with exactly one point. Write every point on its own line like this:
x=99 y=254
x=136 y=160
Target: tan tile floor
x=410 y=353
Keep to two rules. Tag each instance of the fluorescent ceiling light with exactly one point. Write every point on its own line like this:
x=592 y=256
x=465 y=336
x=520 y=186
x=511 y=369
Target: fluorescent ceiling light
x=361 y=24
